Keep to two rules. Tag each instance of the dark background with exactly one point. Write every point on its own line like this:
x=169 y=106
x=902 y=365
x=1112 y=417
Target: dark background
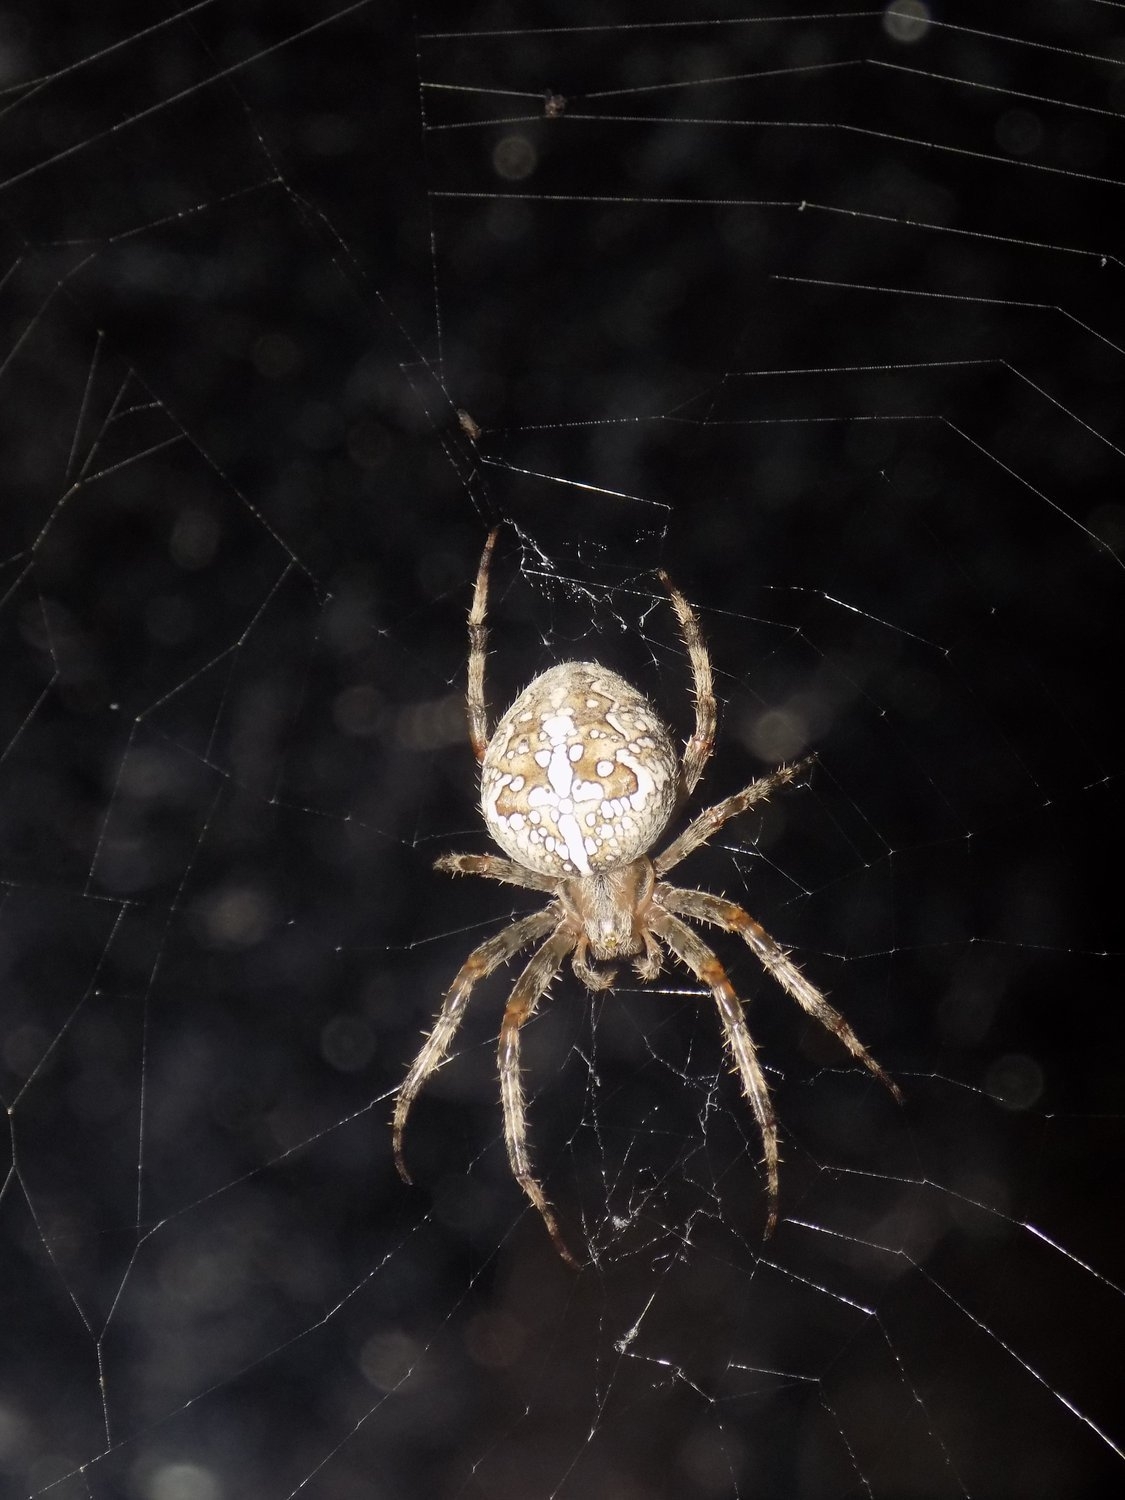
x=834 y=335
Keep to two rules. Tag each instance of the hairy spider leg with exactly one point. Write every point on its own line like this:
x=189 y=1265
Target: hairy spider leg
x=493 y=867
x=704 y=907
x=481 y=961
x=478 y=645
x=697 y=751
x=530 y=987
x=695 y=955
x=708 y=822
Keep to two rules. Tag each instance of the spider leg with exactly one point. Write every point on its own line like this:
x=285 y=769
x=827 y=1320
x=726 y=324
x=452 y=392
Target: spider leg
x=695 y=955
x=490 y=955
x=707 y=908
x=478 y=641
x=708 y=823
x=529 y=990
x=492 y=867
x=697 y=751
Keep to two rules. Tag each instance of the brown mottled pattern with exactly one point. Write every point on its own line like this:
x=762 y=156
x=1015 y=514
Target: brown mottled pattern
x=580 y=774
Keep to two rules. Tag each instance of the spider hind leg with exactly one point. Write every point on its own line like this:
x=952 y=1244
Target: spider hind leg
x=697 y=751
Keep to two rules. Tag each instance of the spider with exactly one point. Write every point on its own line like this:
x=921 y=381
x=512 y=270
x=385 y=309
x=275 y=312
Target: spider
x=578 y=782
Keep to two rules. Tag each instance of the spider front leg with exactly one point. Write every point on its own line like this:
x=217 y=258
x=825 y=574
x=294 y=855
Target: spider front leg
x=531 y=986
x=773 y=958
x=695 y=955
x=490 y=955
x=708 y=823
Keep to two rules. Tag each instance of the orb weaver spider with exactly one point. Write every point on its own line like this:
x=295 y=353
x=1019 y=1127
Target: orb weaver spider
x=578 y=782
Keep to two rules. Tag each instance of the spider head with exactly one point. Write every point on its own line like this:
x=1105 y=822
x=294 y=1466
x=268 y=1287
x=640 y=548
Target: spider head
x=608 y=912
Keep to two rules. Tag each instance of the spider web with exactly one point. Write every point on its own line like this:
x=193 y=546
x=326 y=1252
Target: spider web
x=817 y=313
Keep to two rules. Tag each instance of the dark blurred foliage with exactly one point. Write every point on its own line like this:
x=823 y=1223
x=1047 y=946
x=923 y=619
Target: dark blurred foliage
x=829 y=334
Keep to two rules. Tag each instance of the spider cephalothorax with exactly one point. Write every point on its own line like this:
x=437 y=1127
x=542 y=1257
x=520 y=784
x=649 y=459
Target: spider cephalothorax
x=578 y=783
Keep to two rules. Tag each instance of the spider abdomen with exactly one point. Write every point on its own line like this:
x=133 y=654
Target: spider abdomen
x=580 y=775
